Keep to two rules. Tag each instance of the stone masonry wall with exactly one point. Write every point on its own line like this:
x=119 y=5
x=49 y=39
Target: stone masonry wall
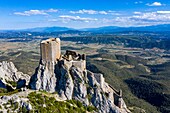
x=50 y=49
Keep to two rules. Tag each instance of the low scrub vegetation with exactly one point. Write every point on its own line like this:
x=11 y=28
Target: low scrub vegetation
x=45 y=104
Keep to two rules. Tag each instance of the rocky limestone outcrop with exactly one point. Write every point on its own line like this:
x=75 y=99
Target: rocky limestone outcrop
x=14 y=104
x=74 y=83
x=44 y=77
x=9 y=73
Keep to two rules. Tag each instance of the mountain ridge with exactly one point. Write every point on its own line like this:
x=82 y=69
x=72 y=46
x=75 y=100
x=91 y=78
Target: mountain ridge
x=161 y=27
x=152 y=28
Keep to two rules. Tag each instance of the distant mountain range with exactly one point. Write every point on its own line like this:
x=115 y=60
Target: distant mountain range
x=48 y=29
x=155 y=28
x=105 y=29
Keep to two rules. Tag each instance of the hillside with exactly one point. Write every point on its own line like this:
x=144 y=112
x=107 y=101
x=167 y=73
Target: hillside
x=148 y=87
x=136 y=40
x=123 y=60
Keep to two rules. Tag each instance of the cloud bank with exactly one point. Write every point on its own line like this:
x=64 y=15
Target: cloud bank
x=94 y=18
x=92 y=12
x=77 y=18
x=36 y=12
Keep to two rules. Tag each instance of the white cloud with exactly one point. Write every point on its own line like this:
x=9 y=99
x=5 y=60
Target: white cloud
x=36 y=12
x=137 y=13
x=31 y=12
x=158 y=16
x=77 y=18
x=136 y=19
x=107 y=18
x=140 y=19
x=103 y=12
x=155 y=4
x=84 y=11
x=163 y=12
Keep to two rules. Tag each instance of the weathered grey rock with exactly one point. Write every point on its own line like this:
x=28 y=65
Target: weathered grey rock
x=8 y=103
x=80 y=89
x=8 y=72
x=65 y=83
x=44 y=77
x=74 y=83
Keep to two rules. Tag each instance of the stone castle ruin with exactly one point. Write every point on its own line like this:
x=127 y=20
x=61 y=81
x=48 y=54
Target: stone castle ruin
x=67 y=75
x=51 y=51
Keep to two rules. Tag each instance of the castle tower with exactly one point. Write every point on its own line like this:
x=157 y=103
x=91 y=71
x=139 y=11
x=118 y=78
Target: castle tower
x=50 y=49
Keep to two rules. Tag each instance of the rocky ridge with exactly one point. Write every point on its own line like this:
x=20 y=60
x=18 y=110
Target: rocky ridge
x=69 y=83
x=74 y=83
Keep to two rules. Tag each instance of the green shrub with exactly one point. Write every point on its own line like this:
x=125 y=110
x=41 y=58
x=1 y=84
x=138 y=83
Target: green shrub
x=52 y=106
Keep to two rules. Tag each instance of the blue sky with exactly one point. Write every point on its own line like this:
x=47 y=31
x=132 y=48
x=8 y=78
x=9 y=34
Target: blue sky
x=20 y=14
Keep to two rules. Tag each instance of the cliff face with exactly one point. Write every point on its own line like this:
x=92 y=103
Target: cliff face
x=9 y=73
x=75 y=83
x=44 y=77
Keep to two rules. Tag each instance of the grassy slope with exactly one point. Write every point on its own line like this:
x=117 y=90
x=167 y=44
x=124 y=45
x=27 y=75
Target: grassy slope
x=43 y=102
x=39 y=100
